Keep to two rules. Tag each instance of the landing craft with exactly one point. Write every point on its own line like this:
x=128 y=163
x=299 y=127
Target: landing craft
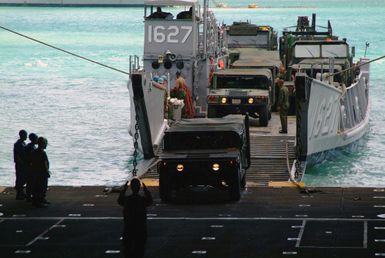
x=331 y=91
x=331 y=98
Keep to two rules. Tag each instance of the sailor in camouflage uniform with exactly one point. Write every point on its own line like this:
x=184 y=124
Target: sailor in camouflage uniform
x=283 y=105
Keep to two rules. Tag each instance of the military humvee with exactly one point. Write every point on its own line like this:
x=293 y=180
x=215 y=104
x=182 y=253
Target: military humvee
x=248 y=84
x=205 y=151
x=241 y=91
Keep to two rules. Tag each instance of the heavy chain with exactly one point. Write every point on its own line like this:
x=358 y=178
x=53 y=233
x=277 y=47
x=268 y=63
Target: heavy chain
x=136 y=146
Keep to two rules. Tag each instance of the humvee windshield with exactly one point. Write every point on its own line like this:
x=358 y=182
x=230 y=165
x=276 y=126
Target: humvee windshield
x=242 y=82
x=321 y=51
x=201 y=140
x=259 y=40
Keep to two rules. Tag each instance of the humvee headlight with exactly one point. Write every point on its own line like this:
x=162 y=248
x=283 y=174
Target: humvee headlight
x=216 y=167
x=224 y=100
x=179 y=167
x=250 y=100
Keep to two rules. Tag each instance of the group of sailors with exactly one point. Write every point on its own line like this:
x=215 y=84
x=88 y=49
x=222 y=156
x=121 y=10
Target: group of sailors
x=32 y=169
x=159 y=14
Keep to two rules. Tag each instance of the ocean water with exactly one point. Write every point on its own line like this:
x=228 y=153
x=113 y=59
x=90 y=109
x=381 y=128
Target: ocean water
x=83 y=109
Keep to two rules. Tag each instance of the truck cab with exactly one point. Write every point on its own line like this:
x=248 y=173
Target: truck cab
x=205 y=151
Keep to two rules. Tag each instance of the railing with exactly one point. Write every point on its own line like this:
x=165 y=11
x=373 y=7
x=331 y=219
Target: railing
x=134 y=63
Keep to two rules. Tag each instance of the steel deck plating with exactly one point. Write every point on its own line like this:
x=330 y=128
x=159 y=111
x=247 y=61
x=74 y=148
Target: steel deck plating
x=267 y=222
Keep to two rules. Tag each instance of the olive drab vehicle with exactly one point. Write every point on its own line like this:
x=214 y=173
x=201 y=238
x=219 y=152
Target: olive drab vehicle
x=248 y=84
x=204 y=151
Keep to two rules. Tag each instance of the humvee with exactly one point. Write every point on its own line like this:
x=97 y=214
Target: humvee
x=241 y=91
x=204 y=151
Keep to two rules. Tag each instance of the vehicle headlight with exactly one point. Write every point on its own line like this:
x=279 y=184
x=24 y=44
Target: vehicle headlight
x=179 y=167
x=216 y=167
x=224 y=100
x=250 y=100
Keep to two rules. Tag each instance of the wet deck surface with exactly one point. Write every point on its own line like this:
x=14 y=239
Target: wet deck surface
x=267 y=222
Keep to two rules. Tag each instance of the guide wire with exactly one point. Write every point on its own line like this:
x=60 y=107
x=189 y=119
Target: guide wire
x=65 y=51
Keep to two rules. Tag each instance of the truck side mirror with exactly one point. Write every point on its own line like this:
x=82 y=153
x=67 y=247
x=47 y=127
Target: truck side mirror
x=353 y=51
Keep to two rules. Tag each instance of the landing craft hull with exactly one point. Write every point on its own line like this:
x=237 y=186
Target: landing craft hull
x=330 y=118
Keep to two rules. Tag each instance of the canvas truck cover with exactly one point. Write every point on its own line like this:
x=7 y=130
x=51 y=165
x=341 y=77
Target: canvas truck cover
x=206 y=133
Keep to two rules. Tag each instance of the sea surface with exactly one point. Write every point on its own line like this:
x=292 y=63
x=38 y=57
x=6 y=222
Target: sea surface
x=83 y=109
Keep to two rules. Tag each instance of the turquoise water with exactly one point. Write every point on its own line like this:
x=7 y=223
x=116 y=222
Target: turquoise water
x=83 y=109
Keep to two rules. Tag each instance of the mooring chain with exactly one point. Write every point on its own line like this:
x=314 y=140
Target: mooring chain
x=136 y=145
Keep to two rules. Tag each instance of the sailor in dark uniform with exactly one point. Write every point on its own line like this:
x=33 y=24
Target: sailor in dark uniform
x=40 y=173
x=135 y=219
x=31 y=146
x=21 y=163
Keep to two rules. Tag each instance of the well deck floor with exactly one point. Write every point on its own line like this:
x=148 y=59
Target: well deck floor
x=267 y=222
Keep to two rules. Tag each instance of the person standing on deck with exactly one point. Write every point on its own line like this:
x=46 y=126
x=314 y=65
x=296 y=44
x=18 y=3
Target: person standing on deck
x=40 y=173
x=283 y=105
x=181 y=91
x=31 y=146
x=135 y=219
x=21 y=163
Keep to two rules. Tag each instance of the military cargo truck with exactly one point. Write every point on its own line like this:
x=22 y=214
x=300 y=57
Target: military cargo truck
x=248 y=84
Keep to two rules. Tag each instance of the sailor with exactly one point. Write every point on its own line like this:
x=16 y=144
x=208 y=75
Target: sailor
x=40 y=173
x=185 y=14
x=135 y=219
x=283 y=105
x=31 y=146
x=181 y=91
x=21 y=163
x=159 y=14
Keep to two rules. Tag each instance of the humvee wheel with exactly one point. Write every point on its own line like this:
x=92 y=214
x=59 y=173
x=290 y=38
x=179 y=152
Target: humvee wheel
x=243 y=182
x=164 y=189
x=263 y=116
x=235 y=188
x=211 y=112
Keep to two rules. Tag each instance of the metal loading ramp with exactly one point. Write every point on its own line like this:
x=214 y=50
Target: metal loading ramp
x=268 y=152
x=268 y=158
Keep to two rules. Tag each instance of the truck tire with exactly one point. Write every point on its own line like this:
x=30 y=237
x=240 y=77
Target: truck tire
x=243 y=181
x=263 y=116
x=211 y=112
x=164 y=189
x=235 y=188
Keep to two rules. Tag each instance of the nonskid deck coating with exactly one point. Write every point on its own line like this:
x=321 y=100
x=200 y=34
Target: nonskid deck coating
x=267 y=222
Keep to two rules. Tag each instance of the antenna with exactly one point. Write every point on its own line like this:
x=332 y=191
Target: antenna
x=366 y=47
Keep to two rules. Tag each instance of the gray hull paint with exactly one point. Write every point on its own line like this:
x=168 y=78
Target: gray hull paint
x=330 y=118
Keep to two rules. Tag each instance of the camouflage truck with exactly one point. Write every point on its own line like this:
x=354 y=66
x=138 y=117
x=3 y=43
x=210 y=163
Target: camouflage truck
x=248 y=84
x=203 y=151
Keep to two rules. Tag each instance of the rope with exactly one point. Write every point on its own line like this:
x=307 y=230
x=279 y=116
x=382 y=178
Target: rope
x=288 y=167
x=65 y=51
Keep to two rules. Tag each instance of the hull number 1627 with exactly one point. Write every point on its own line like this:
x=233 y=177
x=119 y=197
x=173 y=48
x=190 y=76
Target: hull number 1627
x=171 y=34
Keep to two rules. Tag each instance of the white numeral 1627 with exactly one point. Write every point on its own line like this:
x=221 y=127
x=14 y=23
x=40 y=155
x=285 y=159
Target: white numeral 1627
x=159 y=34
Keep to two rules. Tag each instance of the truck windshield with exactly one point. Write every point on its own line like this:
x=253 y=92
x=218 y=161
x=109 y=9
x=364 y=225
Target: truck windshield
x=242 y=82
